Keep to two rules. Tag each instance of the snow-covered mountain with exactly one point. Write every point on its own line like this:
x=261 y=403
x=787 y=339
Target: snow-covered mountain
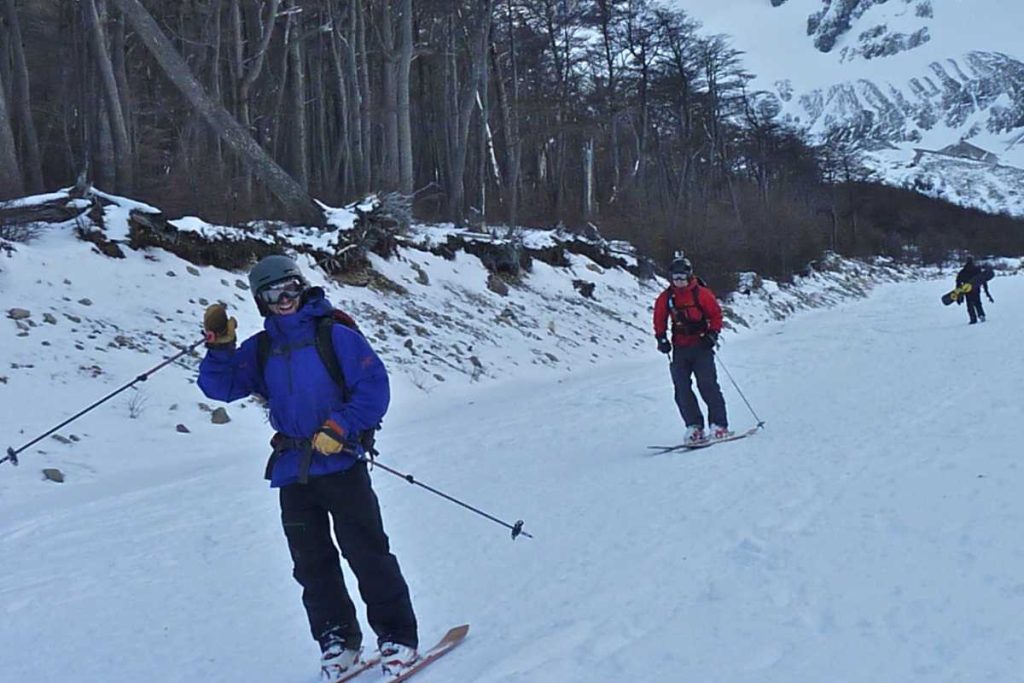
x=909 y=78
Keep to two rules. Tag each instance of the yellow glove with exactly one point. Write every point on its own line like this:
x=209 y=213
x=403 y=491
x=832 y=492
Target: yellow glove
x=330 y=438
x=218 y=327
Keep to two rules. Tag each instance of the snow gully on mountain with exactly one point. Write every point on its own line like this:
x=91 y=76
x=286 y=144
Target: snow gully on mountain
x=12 y=453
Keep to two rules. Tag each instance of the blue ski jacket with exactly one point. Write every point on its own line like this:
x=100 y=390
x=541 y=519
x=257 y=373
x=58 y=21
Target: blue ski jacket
x=301 y=394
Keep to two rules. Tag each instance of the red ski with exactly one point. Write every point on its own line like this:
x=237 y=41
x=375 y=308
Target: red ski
x=443 y=647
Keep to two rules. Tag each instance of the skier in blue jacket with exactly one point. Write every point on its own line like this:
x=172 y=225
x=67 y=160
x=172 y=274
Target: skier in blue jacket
x=317 y=460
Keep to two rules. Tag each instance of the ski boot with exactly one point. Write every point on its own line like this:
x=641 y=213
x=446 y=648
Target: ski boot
x=396 y=658
x=337 y=661
x=719 y=431
x=695 y=434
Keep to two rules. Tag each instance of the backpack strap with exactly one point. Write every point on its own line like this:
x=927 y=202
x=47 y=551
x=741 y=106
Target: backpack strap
x=324 y=342
x=262 y=353
x=672 y=310
x=325 y=349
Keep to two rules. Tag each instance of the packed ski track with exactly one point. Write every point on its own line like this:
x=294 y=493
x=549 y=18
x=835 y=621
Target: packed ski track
x=871 y=531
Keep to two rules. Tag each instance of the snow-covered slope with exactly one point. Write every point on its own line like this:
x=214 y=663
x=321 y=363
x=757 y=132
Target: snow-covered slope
x=870 y=533
x=902 y=75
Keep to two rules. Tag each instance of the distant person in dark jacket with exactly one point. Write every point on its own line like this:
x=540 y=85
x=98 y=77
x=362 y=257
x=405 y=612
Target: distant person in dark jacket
x=972 y=273
x=689 y=311
x=317 y=462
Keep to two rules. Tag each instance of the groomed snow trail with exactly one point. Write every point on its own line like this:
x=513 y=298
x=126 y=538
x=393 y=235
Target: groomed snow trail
x=871 y=532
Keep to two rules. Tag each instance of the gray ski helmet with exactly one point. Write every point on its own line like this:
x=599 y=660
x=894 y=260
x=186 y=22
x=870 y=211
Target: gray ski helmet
x=269 y=270
x=681 y=266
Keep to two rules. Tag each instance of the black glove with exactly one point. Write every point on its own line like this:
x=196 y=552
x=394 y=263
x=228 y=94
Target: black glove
x=709 y=340
x=664 y=345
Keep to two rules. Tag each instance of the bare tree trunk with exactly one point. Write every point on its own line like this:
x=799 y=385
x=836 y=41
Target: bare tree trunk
x=484 y=136
x=10 y=174
x=405 y=54
x=297 y=146
x=341 y=166
x=118 y=128
x=215 y=83
x=588 y=179
x=389 y=166
x=104 y=152
x=291 y=195
x=363 y=67
x=343 y=49
x=117 y=56
x=20 y=91
x=322 y=137
x=384 y=29
x=510 y=119
x=467 y=98
x=247 y=76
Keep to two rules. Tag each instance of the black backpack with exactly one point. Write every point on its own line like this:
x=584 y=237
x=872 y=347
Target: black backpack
x=324 y=342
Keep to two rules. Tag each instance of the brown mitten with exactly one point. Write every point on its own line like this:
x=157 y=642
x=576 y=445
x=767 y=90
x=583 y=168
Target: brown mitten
x=218 y=327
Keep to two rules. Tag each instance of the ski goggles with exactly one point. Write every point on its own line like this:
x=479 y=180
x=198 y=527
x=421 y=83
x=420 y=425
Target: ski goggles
x=278 y=292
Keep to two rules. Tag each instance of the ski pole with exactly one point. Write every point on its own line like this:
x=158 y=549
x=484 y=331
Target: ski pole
x=12 y=454
x=760 y=422
x=517 y=528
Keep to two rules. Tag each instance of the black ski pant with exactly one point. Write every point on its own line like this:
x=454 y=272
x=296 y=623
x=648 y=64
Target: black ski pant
x=974 y=308
x=688 y=361
x=347 y=500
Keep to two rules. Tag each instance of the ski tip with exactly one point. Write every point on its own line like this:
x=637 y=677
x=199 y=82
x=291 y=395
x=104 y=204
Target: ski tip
x=458 y=631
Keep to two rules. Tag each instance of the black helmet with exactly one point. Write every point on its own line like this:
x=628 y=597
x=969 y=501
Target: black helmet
x=681 y=266
x=270 y=270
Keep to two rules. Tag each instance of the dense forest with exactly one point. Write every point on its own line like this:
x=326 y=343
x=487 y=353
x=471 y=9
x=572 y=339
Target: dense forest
x=617 y=114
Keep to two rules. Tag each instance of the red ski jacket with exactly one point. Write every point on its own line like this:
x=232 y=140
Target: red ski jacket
x=693 y=312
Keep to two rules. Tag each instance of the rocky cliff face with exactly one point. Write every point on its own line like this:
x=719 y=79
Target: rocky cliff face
x=980 y=92
x=871 y=37
x=910 y=75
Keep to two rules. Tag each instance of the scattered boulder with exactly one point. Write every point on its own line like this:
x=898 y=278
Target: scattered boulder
x=497 y=284
x=53 y=474
x=585 y=288
x=18 y=313
x=182 y=429
x=220 y=416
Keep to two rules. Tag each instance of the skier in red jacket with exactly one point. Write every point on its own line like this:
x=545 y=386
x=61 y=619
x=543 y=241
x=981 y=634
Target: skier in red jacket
x=696 y=320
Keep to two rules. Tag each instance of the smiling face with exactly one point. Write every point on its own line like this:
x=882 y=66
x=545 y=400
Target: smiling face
x=286 y=307
x=283 y=298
